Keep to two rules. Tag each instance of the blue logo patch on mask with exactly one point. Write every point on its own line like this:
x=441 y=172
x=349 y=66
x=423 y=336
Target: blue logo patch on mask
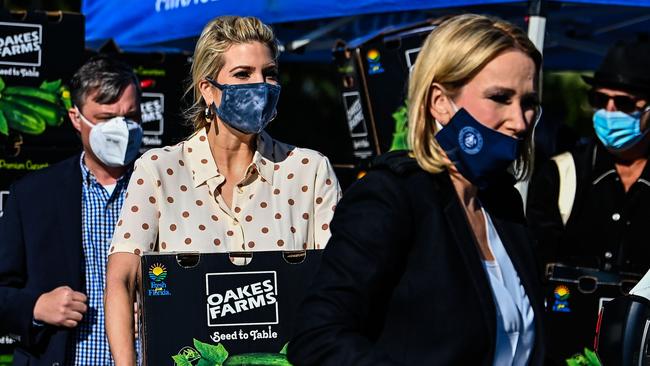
x=470 y=140
x=464 y=137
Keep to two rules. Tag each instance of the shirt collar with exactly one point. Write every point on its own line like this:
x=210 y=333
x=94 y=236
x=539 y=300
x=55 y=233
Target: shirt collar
x=88 y=177
x=603 y=166
x=201 y=162
x=602 y=163
x=263 y=158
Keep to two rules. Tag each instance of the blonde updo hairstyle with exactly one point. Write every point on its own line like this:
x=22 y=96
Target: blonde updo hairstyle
x=216 y=38
x=451 y=56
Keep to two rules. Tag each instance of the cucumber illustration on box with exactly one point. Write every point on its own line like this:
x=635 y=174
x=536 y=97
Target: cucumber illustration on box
x=204 y=354
x=30 y=110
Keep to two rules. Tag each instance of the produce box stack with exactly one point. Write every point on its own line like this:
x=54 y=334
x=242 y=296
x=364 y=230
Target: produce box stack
x=162 y=77
x=374 y=70
x=39 y=52
x=202 y=309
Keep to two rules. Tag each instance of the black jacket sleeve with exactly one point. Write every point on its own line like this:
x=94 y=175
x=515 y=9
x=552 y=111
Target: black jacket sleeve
x=341 y=317
x=543 y=213
x=16 y=302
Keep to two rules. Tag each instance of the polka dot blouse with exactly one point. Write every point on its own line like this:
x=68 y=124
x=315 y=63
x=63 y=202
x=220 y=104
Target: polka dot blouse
x=285 y=201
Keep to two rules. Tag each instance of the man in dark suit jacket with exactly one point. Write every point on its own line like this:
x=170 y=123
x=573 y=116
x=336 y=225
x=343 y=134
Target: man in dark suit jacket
x=57 y=225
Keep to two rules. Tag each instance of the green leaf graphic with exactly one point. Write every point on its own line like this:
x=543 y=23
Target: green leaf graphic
x=588 y=359
x=216 y=354
x=4 y=127
x=180 y=360
x=257 y=359
x=52 y=86
x=205 y=362
x=400 y=135
x=592 y=358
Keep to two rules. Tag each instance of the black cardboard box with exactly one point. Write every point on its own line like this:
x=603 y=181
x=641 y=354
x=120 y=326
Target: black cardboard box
x=574 y=297
x=374 y=72
x=39 y=52
x=201 y=306
x=162 y=79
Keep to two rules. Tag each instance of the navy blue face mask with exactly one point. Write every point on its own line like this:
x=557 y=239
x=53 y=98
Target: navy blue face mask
x=478 y=152
x=247 y=108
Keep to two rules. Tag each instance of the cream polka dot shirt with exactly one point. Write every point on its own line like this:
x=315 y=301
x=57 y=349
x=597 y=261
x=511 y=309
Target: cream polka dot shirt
x=285 y=201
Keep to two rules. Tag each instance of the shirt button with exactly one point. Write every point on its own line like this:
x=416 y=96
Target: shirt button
x=608 y=255
x=616 y=216
x=608 y=266
x=235 y=222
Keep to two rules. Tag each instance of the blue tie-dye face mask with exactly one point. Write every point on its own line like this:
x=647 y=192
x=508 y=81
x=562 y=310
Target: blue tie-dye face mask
x=247 y=108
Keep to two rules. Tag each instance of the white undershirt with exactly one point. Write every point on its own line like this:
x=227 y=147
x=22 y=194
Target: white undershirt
x=110 y=188
x=515 y=317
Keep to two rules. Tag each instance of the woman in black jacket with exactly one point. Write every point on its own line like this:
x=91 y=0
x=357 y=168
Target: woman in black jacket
x=429 y=261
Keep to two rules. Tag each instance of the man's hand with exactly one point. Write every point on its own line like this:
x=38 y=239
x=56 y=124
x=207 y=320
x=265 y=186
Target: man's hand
x=61 y=307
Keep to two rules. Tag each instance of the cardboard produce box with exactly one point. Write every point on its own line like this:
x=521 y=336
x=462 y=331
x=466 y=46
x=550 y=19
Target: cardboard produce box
x=162 y=78
x=39 y=52
x=574 y=297
x=374 y=71
x=204 y=309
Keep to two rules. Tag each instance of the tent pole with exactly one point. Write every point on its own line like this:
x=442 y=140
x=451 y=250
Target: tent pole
x=537 y=23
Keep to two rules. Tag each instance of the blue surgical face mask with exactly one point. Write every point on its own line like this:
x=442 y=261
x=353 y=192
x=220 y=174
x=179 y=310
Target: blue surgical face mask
x=247 y=108
x=115 y=142
x=478 y=152
x=618 y=130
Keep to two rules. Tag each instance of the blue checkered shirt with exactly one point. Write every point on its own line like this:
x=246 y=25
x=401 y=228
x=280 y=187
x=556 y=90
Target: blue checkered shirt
x=99 y=214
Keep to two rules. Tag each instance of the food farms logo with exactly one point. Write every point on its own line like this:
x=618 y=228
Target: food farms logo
x=244 y=298
x=20 y=44
x=374 y=62
x=157 y=286
x=153 y=122
x=561 y=303
x=562 y=293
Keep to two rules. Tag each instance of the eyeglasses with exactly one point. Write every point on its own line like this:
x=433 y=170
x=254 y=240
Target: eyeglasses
x=623 y=103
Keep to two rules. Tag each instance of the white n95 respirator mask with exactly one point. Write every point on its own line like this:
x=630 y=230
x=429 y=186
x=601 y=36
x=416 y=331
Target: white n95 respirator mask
x=115 y=142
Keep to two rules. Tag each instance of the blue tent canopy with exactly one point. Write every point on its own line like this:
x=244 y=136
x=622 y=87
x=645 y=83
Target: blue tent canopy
x=577 y=32
x=156 y=21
